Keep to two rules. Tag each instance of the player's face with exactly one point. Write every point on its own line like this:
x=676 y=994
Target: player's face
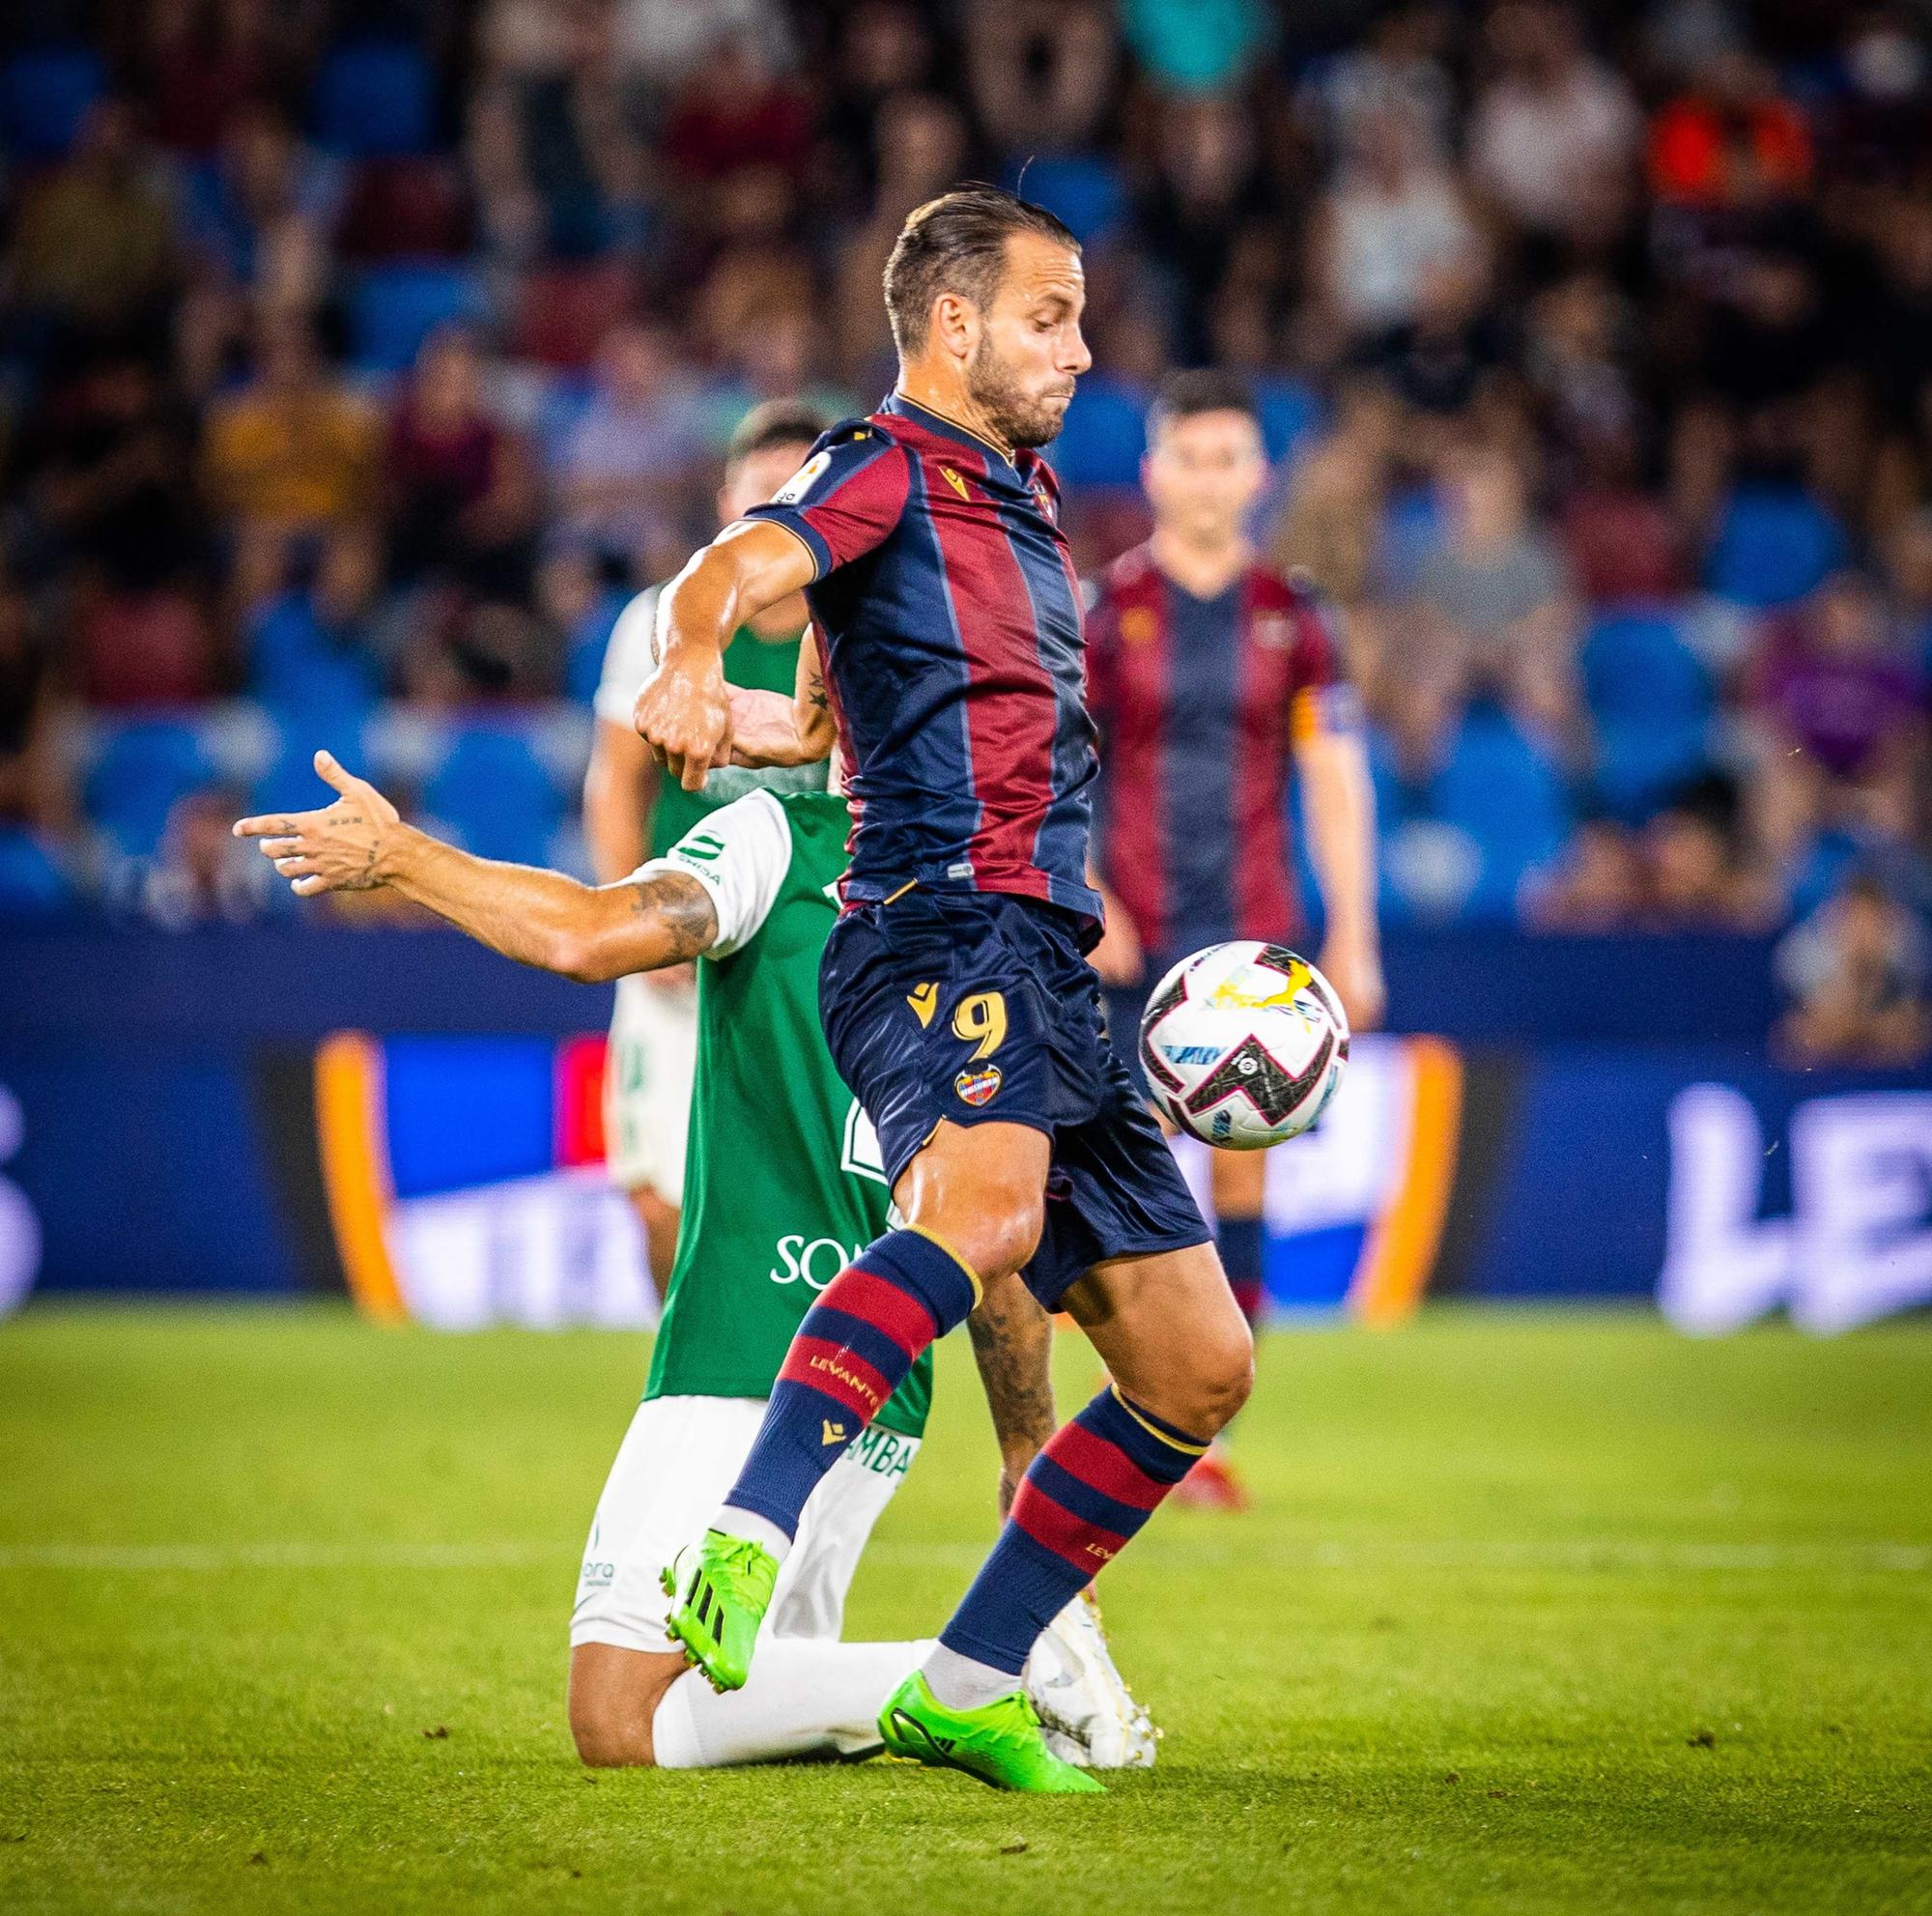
x=1029 y=351
x=1203 y=472
x=756 y=476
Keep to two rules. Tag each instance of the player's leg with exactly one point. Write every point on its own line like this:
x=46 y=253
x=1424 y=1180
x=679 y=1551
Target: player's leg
x=971 y=1199
x=931 y=1012
x=1180 y=1360
x=650 y=1070
x=1125 y=1251
x=1180 y=1351
x=630 y=1703
x=1238 y=1182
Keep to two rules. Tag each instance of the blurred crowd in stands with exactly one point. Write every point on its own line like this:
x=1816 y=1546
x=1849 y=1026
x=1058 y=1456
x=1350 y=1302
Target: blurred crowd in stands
x=356 y=359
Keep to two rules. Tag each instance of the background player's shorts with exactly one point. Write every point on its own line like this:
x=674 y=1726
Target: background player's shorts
x=981 y=1009
x=648 y=1073
x=678 y=1460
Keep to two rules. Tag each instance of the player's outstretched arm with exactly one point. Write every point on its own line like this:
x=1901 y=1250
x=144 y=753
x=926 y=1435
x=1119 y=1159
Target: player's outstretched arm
x=1012 y=1344
x=683 y=712
x=592 y=933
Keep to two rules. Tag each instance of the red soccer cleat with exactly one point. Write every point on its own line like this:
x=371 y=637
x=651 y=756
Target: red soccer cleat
x=1211 y=1485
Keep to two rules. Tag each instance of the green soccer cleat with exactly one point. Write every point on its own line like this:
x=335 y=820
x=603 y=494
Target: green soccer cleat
x=727 y=1592
x=1000 y=1743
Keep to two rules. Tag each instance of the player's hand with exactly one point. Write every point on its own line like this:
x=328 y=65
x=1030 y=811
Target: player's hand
x=1355 y=968
x=341 y=848
x=684 y=715
x=764 y=729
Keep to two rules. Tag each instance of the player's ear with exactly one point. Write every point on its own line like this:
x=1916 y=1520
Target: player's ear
x=956 y=324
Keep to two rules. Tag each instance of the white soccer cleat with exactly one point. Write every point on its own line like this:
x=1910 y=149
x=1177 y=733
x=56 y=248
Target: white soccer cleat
x=1087 y=1713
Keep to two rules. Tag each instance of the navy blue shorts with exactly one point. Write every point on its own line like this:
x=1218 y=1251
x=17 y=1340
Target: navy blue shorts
x=979 y=1008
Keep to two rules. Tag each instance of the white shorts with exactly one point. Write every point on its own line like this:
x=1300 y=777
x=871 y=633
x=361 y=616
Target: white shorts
x=678 y=1459
x=648 y=1071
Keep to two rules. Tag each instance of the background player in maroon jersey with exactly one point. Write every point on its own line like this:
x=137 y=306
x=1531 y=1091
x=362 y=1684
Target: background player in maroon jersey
x=1210 y=676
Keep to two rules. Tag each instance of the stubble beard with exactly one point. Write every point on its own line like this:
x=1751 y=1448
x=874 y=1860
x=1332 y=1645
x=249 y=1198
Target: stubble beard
x=1016 y=416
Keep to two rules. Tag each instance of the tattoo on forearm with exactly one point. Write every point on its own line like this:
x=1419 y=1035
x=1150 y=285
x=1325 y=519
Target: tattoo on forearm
x=685 y=909
x=816 y=694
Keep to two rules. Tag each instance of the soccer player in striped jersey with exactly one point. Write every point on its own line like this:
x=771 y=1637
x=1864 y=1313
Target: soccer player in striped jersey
x=958 y=1000
x=785 y=1186
x=1213 y=678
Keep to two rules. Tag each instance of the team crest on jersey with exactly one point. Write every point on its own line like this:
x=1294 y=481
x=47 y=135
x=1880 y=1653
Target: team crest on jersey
x=976 y=1088
x=1274 y=630
x=953 y=480
x=1137 y=626
x=802 y=480
x=1043 y=499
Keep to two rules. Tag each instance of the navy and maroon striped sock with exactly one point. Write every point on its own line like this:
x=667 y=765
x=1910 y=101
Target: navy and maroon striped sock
x=1096 y=1482
x=849 y=1355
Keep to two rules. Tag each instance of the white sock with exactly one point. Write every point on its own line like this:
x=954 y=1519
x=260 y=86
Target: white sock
x=736 y=1523
x=964 y=1683
x=804 y=1698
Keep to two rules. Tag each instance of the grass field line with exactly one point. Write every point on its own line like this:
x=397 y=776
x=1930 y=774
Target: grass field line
x=1541 y=1554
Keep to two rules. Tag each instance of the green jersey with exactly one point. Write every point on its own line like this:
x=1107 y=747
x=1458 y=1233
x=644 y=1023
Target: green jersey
x=759 y=664
x=782 y=1183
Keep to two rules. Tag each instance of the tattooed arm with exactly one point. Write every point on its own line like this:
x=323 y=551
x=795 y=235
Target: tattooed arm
x=1012 y=1344
x=767 y=728
x=538 y=917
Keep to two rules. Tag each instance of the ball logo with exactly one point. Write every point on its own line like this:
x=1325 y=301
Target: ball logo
x=976 y=1088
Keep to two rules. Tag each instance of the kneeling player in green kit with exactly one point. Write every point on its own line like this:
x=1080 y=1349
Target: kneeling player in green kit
x=784 y=1184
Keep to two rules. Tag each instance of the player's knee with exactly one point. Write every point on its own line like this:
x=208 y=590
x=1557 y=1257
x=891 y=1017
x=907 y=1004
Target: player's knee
x=613 y=1702
x=607 y=1738
x=1223 y=1374
x=1002 y=1234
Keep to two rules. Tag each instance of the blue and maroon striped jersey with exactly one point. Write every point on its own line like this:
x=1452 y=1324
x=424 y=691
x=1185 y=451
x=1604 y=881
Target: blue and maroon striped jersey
x=1199 y=701
x=948 y=619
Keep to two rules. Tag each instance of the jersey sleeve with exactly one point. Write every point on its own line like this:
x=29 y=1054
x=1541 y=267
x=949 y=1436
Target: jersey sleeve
x=740 y=854
x=629 y=656
x=1324 y=701
x=845 y=498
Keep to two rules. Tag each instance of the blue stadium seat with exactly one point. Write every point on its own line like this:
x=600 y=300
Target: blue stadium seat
x=493 y=796
x=1104 y=434
x=1652 y=701
x=392 y=309
x=1291 y=410
x=294 y=667
x=290 y=781
x=144 y=767
x=31 y=884
x=588 y=639
x=375 y=99
x=1506 y=793
x=44 y=94
x=1085 y=190
x=1775 y=544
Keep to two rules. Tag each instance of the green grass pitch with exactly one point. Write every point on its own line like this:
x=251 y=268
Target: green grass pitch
x=1534 y=1613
